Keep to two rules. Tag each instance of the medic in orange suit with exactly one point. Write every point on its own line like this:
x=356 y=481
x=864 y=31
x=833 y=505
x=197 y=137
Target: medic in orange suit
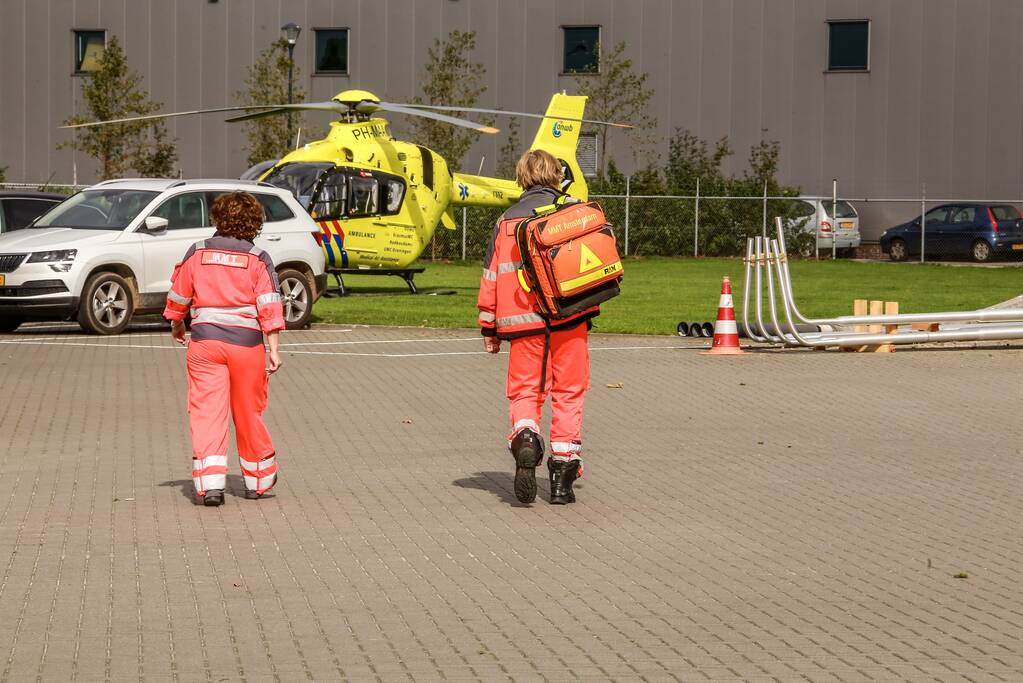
x=546 y=357
x=231 y=289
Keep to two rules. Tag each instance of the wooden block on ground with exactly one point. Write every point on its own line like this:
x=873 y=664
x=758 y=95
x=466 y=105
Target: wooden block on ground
x=859 y=308
x=925 y=327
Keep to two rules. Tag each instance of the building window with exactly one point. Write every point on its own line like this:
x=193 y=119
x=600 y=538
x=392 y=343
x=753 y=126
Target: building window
x=331 y=50
x=848 y=45
x=582 y=45
x=89 y=47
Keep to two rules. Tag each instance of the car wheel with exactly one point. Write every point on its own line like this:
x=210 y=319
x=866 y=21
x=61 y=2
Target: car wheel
x=296 y=298
x=9 y=323
x=898 y=251
x=981 y=251
x=106 y=305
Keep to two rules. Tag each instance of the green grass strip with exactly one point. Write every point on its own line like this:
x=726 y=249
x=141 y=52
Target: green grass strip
x=659 y=292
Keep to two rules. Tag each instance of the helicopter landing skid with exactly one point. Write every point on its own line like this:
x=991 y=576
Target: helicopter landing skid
x=405 y=274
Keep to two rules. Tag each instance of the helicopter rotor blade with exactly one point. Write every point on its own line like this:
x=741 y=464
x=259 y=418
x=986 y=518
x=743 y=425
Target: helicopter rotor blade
x=267 y=110
x=285 y=108
x=477 y=110
x=403 y=109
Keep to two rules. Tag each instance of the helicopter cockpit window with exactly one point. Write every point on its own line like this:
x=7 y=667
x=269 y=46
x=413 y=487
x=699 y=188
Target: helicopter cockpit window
x=298 y=178
x=365 y=199
x=394 y=192
x=330 y=200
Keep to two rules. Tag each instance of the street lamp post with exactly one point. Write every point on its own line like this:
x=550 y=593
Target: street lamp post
x=291 y=31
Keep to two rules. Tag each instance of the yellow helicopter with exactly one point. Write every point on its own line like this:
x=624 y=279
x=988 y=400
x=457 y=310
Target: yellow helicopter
x=379 y=200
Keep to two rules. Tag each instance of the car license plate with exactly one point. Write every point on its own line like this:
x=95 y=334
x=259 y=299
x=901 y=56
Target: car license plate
x=1017 y=247
x=846 y=224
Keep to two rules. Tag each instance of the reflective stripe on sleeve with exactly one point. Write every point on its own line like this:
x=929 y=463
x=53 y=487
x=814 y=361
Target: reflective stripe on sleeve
x=271 y=298
x=178 y=299
x=487 y=317
x=509 y=266
x=489 y=275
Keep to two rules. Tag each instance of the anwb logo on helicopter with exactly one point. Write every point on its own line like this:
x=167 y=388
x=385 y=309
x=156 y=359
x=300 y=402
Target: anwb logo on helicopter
x=559 y=126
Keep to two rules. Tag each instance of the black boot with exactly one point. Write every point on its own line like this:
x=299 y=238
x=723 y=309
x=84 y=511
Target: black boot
x=213 y=498
x=527 y=448
x=563 y=474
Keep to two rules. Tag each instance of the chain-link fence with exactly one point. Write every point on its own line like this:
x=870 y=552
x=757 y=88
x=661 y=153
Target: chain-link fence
x=900 y=229
x=816 y=227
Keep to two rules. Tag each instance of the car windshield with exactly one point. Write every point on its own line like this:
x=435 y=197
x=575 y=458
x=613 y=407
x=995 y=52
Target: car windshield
x=97 y=210
x=845 y=210
x=299 y=179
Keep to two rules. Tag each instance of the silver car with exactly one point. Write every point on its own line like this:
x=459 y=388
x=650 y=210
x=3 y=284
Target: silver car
x=841 y=226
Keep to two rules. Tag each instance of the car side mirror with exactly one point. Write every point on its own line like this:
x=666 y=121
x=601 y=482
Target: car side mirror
x=154 y=226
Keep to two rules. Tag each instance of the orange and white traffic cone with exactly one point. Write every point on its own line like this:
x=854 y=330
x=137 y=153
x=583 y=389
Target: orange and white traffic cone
x=726 y=335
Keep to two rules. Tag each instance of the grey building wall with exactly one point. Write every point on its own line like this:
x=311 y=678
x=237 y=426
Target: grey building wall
x=942 y=104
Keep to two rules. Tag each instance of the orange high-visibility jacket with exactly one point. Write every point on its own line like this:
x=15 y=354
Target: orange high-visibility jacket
x=230 y=288
x=506 y=309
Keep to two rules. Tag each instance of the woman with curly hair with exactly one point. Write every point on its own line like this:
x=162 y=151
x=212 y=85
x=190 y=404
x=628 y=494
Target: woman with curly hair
x=230 y=286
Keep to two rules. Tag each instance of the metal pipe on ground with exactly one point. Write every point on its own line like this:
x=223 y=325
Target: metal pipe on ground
x=980 y=332
x=683 y=329
x=983 y=315
x=708 y=329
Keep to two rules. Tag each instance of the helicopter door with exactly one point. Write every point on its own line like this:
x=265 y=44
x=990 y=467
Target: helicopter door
x=328 y=205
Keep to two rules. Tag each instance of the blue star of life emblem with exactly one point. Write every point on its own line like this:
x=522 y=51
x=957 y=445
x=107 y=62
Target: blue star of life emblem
x=463 y=191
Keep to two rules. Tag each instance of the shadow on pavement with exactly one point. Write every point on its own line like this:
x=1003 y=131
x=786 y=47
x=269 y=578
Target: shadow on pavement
x=501 y=484
x=235 y=487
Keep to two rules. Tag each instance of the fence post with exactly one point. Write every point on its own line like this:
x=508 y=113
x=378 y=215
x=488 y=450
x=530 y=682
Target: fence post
x=628 y=191
x=463 y=232
x=834 y=218
x=763 y=228
x=923 y=222
x=696 y=221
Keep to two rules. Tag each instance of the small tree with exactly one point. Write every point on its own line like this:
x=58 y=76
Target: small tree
x=114 y=92
x=267 y=83
x=453 y=80
x=618 y=94
x=729 y=222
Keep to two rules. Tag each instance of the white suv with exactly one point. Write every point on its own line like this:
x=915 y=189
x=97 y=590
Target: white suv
x=108 y=252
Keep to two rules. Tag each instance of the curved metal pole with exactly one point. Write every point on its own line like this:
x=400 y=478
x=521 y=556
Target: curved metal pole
x=978 y=332
x=997 y=315
x=795 y=338
x=769 y=255
x=761 y=261
x=746 y=292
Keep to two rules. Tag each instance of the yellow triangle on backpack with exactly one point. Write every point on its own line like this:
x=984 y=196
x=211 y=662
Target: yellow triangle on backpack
x=587 y=259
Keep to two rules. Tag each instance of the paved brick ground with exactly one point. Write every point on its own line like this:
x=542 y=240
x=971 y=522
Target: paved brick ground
x=785 y=515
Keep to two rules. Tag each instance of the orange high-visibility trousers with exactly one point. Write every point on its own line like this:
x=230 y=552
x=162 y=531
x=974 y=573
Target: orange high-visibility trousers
x=229 y=379
x=566 y=379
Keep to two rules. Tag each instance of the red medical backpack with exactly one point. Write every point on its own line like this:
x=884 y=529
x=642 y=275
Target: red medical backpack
x=569 y=258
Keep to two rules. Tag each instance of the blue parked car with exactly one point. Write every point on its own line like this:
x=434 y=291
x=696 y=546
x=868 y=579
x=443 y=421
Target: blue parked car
x=979 y=231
